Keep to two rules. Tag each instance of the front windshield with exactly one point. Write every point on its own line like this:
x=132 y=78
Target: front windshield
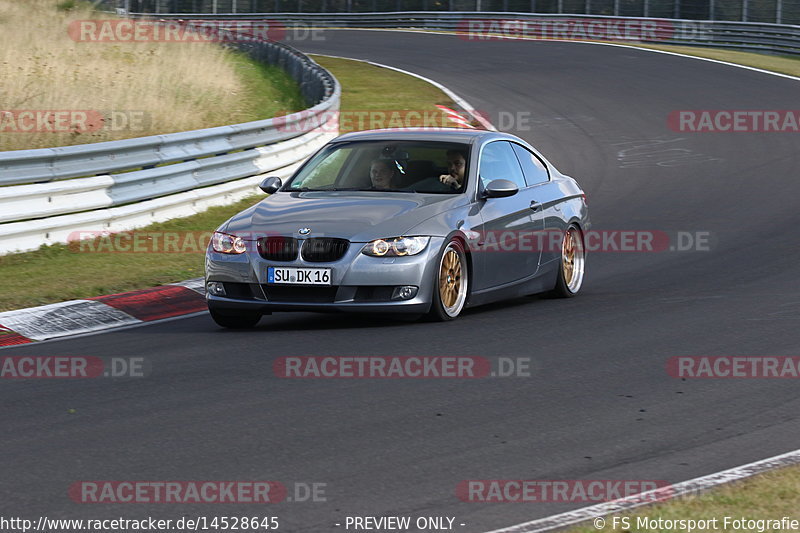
x=412 y=166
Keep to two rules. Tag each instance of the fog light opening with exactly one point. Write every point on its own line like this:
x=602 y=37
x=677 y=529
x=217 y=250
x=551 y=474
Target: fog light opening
x=406 y=292
x=215 y=288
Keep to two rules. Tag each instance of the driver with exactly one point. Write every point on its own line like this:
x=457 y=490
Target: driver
x=456 y=164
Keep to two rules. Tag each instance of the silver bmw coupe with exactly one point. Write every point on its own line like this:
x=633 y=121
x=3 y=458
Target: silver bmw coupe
x=426 y=222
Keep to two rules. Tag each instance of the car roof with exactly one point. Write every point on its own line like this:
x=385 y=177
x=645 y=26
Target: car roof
x=461 y=135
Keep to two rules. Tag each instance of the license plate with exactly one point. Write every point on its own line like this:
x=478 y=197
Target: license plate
x=299 y=276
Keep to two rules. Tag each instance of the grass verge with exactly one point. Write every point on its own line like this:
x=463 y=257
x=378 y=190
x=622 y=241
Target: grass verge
x=768 y=496
x=59 y=272
x=371 y=88
x=107 y=90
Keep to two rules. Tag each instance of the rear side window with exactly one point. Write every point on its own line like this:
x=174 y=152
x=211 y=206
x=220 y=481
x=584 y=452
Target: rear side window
x=498 y=162
x=533 y=167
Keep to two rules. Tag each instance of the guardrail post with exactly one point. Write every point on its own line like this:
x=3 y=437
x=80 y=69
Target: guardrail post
x=711 y=9
x=646 y=8
x=616 y=8
x=560 y=6
x=214 y=7
x=533 y=6
x=779 y=12
x=233 y=7
x=676 y=11
x=745 y=10
x=587 y=7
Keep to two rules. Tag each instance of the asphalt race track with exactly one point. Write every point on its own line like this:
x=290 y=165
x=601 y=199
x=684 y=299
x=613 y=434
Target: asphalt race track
x=600 y=403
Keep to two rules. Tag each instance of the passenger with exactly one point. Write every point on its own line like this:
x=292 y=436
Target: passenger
x=383 y=174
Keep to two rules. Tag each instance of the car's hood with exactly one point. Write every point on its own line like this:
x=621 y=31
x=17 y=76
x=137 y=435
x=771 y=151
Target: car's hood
x=356 y=216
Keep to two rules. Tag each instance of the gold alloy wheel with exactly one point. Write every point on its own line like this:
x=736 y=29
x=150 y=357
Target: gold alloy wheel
x=452 y=280
x=572 y=259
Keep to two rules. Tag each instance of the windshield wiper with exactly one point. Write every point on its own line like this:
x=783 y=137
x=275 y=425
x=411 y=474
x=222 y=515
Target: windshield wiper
x=385 y=190
x=340 y=189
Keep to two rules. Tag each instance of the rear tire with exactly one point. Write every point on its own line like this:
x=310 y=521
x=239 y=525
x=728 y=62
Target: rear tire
x=571 y=265
x=451 y=283
x=235 y=319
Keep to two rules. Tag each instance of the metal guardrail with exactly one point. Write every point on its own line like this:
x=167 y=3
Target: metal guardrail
x=772 y=38
x=765 y=11
x=48 y=193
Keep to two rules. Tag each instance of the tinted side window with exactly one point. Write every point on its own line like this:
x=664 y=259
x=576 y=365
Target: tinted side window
x=534 y=168
x=499 y=162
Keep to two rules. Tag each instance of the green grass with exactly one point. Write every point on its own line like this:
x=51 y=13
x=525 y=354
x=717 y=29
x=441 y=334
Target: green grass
x=767 y=496
x=367 y=87
x=59 y=272
x=269 y=91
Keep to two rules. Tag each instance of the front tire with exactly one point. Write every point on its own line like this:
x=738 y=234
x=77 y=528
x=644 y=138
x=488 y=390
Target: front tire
x=235 y=319
x=451 y=283
x=572 y=264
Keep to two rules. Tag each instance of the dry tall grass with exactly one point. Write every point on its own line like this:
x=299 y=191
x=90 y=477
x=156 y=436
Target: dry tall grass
x=163 y=87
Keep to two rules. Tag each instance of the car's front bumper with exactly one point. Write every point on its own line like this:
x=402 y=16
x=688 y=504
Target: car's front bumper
x=359 y=283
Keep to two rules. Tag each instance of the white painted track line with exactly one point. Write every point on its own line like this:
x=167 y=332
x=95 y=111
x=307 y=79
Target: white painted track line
x=693 y=486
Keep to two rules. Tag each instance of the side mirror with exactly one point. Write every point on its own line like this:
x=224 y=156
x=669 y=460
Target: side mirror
x=500 y=189
x=270 y=185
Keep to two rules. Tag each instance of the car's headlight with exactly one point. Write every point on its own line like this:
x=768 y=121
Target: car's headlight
x=228 y=244
x=396 y=247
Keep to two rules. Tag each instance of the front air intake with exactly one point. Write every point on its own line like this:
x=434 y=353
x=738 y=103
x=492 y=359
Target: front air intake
x=278 y=248
x=324 y=249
